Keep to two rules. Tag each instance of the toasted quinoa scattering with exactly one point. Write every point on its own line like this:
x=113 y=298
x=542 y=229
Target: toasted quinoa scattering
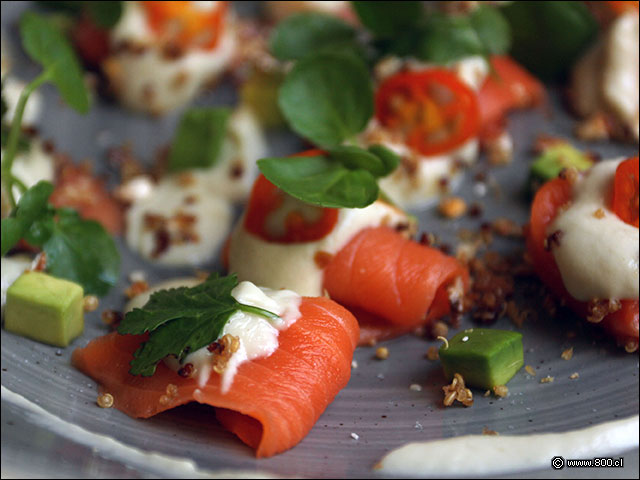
x=414 y=387
x=501 y=391
x=111 y=317
x=457 y=391
x=567 y=354
x=452 y=207
x=382 y=353
x=570 y=174
x=90 y=303
x=529 y=369
x=136 y=289
x=486 y=431
x=222 y=350
x=547 y=379
x=432 y=353
x=574 y=375
x=105 y=400
x=599 y=213
x=164 y=400
x=172 y=390
x=631 y=346
x=597 y=309
x=439 y=329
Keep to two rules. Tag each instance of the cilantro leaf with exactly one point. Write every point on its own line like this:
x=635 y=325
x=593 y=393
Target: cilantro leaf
x=182 y=320
x=303 y=33
x=46 y=45
x=199 y=139
x=343 y=178
x=327 y=98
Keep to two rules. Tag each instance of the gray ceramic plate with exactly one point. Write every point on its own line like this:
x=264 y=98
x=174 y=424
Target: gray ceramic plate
x=377 y=404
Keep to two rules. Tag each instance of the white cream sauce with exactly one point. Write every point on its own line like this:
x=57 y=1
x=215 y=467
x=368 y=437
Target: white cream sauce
x=109 y=448
x=292 y=265
x=597 y=257
x=492 y=455
x=149 y=81
x=258 y=335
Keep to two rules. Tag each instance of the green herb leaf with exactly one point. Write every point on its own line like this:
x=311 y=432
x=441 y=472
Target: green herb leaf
x=304 y=33
x=23 y=141
x=199 y=139
x=447 y=38
x=83 y=252
x=492 y=28
x=387 y=19
x=390 y=160
x=181 y=320
x=327 y=98
x=548 y=37
x=322 y=180
x=105 y=14
x=377 y=159
x=46 y=45
x=32 y=205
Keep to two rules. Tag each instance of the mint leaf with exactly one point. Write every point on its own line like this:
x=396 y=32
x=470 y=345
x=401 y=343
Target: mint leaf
x=46 y=45
x=182 y=320
x=199 y=138
x=387 y=19
x=32 y=205
x=327 y=98
x=305 y=33
x=83 y=252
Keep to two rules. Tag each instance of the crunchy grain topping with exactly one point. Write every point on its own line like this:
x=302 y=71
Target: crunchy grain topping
x=501 y=391
x=187 y=370
x=90 y=303
x=570 y=174
x=111 y=317
x=456 y=391
x=452 y=207
x=599 y=213
x=414 y=387
x=547 y=379
x=136 y=289
x=222 y=350
x=164 y=400
x=567 y=354
x=631 y=346
x=322 y=259
x=172 y=390
x=105 y=400
x=382 y=353
x=506 y=227
x=574 y=375
x=598 y=309
x=432 y=353
x=175 y=230
x=529 y=369
x=439 y=329
x=486 y=431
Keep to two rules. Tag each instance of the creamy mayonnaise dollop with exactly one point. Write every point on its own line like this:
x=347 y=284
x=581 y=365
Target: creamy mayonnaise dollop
x=257 y=335
x=146 y=79
x=293 y=265
x=597 y=255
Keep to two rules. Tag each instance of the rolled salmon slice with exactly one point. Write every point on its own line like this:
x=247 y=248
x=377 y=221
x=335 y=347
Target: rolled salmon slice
x=273 y=402
x=394 y=283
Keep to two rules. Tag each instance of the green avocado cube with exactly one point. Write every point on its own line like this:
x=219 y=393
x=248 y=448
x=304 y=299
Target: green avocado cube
x=555 y=159
x=45 y=308
x=485 y=357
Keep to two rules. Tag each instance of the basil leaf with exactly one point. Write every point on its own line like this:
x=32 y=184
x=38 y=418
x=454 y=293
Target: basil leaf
x=32 y=205
x=492 y=28
x=327 y=98
x=199 y=139
x=548 y=37
x=46 y=45
x=377 y=160
x=303 y=33
x=387 y=19
x=182 y=320
x=447 y=38
x=390 y=160
x=83 y=252
x=321 y=180
x=105 y=14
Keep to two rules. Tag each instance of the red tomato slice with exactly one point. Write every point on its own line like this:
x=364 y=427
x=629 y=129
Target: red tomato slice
x=187 y=24
x=622 y=7
x=623 y=324
x=625 y=191
x=77 y=188
x=266 y=199
x=91 y=42
x=435 y=111
x=508 y=87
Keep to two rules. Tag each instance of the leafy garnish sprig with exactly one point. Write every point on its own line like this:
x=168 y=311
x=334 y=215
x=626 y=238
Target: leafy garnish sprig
x=183 y=320
x=105 y=14
x=47 y=46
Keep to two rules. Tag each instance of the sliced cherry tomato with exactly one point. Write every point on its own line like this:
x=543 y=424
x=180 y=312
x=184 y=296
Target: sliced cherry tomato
x=625 y=191
x=622 y=7
x=187 y=24
x=434 y=110
x=507 y=87
x=266 y=199
x=90 y=41
x=622 y=324
x=77 y=188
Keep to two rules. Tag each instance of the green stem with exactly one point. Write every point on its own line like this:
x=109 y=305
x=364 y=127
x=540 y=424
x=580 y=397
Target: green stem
x=259 y=311
x=14 y=134
x=18 y=183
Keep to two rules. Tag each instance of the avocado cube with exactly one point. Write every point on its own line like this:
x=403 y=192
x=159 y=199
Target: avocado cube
x=485 y=357
x=45 y=308
x=555 y=159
